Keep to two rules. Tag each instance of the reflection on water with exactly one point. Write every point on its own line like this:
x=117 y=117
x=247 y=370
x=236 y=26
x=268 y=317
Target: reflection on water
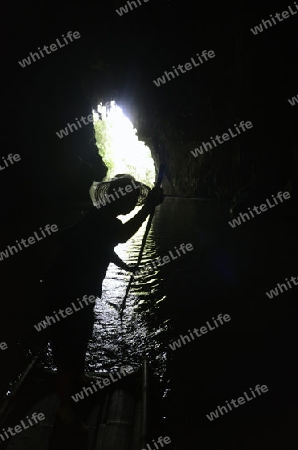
x=141 y=332
x=145 y=330
x=115 y=343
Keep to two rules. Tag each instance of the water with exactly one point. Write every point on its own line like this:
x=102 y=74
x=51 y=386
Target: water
x=228 y=272
x=142 y=332
x=115 y=343
x=146 y=329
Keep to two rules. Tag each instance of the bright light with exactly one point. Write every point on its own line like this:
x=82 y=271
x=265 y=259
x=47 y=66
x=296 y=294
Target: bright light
x=119 y=146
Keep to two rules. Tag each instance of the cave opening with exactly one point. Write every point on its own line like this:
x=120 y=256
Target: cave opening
x=119 y=146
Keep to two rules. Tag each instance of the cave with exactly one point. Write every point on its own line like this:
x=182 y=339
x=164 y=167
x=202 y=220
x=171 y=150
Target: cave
x=209 y=98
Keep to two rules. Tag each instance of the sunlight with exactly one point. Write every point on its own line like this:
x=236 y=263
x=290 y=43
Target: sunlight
x=119 y=146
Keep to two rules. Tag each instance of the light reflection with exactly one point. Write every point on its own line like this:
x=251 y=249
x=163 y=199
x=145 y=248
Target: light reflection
x=113 y=346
